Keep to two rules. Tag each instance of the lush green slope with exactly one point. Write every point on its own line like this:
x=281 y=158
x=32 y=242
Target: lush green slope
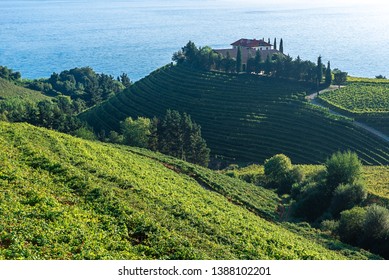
x=8 y=90
x=366 y=100
x=243 y=117
x=67 y=198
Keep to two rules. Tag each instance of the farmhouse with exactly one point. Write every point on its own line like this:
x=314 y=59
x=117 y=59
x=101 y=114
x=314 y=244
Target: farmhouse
x=249 y=48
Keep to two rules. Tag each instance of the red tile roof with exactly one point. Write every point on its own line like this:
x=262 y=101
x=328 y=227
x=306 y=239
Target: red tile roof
x=251 y=43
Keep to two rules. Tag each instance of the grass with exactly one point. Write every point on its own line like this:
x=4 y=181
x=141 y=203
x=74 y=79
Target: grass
x=66 y=198
x=244 y=118
x=11 y=91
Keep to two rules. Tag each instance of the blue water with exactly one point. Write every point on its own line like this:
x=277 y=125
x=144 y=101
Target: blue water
x=39 y=37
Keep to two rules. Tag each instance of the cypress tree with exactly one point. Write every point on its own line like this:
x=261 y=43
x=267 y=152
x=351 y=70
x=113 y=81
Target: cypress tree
x=239 y=61
x=257 y=61
x=281 y=46
x=268 y=40
x=268 y=65
x=275 y=43
x=319 y=70
x=328 y=77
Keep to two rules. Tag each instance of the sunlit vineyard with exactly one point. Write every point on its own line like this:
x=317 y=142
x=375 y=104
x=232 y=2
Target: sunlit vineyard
x=67 y=198
x=360 y=98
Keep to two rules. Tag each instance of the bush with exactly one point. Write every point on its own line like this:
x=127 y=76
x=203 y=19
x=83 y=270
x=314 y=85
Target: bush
x=367 y=228
x=351 y=225
x=342 y=168
x=312 y=203
x=346 y=197
x=277 y=169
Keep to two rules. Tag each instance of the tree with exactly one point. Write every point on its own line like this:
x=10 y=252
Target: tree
x=125 y=80
x=346 y=196
x=257 y=63
x=239 y=60
x=343 y=168
x=180 y=137
x=351 y=225
x=281 y=46
x=275 y=43
x=328 y=77
x=268 y=65
x=277 y=169
x=136 y=132
x=319 y=71
x=340 y=77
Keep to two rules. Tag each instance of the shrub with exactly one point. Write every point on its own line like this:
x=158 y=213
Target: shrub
x=312 y=203
x=346 y=197
x=342 y=168
x=277 y=169
x=351 y=225
x=136 y=132
x=376 y=224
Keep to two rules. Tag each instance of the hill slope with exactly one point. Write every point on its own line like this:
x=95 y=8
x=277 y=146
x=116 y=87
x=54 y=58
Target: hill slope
x=67 y=198
x=8 y=90
x=243 y=117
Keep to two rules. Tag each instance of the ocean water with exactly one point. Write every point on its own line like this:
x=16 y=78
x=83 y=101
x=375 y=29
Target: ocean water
x=40 y=37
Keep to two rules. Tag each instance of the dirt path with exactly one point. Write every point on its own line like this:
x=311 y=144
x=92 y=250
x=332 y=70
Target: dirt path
x=312 y=98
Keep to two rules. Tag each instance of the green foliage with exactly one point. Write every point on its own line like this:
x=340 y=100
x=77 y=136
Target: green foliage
x=67 y=198
x=328 y=76
x=81 y=84
x=9 y=91
x=343 y=168
x=281 y=46
x=339 y=77
x=9 y=74
x=366 y=227
x=360 y=98
x=178 y=136
x=239 y=60
x=346 y=196
x=85 y=133
x=351 y=225
x=136 y=132
x=243 y=118
x=319 y=70
x=44 y=113
x=278 y=172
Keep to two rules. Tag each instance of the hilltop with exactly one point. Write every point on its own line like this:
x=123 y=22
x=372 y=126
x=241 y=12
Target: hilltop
x=244 y=118
x=66 y=198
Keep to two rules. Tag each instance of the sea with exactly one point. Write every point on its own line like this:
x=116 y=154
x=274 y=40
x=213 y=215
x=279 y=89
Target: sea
x=39 y=37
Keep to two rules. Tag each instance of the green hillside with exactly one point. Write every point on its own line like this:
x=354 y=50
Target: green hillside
x=375 y=177
x=9 y=91
x=66 y=198
x=244 y=118
x=366 y=100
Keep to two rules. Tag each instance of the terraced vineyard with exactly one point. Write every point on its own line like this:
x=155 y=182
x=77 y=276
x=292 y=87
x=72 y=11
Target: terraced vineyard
x=244 y=118
x=67 y=198
x=366 y=100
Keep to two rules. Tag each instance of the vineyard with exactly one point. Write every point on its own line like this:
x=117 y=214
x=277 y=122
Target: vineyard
x=365 y=100
x=360 y=98
x=244 y=118
x=66 y=198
